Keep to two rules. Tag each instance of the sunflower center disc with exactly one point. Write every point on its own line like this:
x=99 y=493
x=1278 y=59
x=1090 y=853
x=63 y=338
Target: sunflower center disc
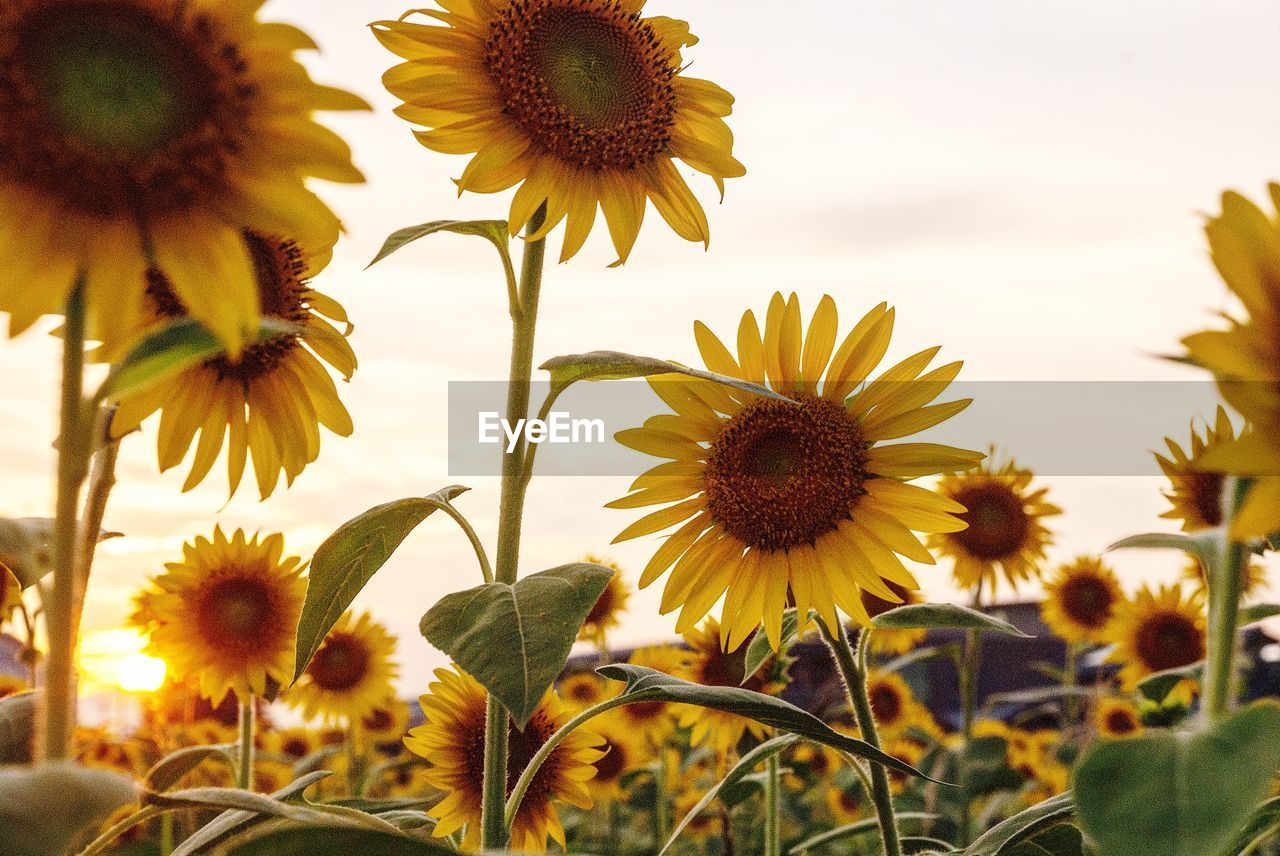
x=340 y=664
x=610 y=767
x=1206 y=493
x=1120 y=722
x=1168 y=641
x=1087 y=600
x=521 y=747
x=235 y=612
x=590 y=83
x=886 y=704
x=784 y=473
x=998 y=522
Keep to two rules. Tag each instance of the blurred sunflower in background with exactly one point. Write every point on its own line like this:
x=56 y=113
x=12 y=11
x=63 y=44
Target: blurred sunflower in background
x=350 y=674
x=1244 y=243
x=581 y=102
x=623 y=751
x=712 y=666
x=606 y=612
x=1117 y=717
x=155 y=129
x=798 y=499
x=226 y=614
x=891 y=640
x=1155 y=631
x=452 y=741
x=582 y=690
x=1080 y=600
x=1005 y=535
x=909 y=752
x=847 y=804
x=891 y=702
x=385 y=722
x=269 y=400
x=1194 y=492
x=293 y=743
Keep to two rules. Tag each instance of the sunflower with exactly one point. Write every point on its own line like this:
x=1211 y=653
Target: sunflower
x=582 y=690
x=270 y=776
x=1155 y=631
x=351 y=673
x=452 y=740
x=891 y=701
x=1080 y=601
x=606 y=612
x=1253 y=580
x=1005 y=525
x=1117 y=717
x=99 y=748
x=654 y=721
x=846 y=804
x=270 y=399
x=292 y=743
x=890 y=640
x=226 y=614
x=1244 y=242
x=581 y=100
x=623 y=752
x=712 y=666
x=140 y=130
x=385 y=722
x=906 y=751
x=793 y=499
x=1196 y=493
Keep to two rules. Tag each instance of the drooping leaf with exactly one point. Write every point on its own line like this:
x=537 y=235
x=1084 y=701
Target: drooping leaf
x=759 y=650
x=1203 y=545
x=348 y=558
x=1023 y=826
x=515 y=638
x=171 y=349
x=26 y=547
x=44 y=809
x=906 y=819
x=234 y=799
x=17 y=727
x=932 y=616
x=326 y=841
x=172 y=767
x=645 y=684
x=494 y=231
x=1157 y=687
x=230 y=822
x=745 y=765
x=614 y=365
x=1166 y=794
x=1258 y=612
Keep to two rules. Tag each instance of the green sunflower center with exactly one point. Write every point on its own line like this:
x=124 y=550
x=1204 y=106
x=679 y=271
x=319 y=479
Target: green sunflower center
x=1168 y=640
x=341 y=663
x=120 y=108
x=587 y=81
x=784 y=473
x=1087 y=600
x=234 y=613
x=997 y=518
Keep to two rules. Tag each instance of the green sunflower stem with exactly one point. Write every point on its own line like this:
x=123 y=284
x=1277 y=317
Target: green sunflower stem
x=1224 y=612
x=74 y=450
x=772 y=809
x=968 y=669
x=524 y=317
x=853 y=669
x=244 y=761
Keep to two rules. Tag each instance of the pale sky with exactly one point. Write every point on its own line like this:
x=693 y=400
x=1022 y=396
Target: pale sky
x=1026 y=182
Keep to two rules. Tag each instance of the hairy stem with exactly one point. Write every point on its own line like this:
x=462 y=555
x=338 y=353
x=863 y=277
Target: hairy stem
x=1225 y=585
x=772 y=809
x=244 y=762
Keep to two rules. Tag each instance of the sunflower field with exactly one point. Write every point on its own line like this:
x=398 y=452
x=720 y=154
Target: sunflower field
x=159 y=218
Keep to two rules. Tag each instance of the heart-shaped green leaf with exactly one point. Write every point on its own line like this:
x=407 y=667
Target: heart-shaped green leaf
x=515 y=638
x=494 y=231
x=1165 y=794
x=645 y=684
x=17 y=727
x=1023 y=826
x=44 y=809
x=614 y=365
x=932 y=616
x=349 y=558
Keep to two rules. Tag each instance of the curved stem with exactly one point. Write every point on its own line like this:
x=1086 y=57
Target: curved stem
x=244 y=764
x=1225 y=583
x=853 y=669
x=524 y=316
x=476 y=544
x=73 y=464
x=772 y=809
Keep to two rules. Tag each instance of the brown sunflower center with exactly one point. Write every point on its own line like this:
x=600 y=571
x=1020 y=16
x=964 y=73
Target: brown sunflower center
x=1120 y=721
x=997 y=518
x=295 y=747
x=583 y=691
x=1168 y=640
x=378 y=719
x=610 y=767
x=236 y=613
x=644 y=712
x=279 y=267
x=783 y=473
x=341 y=663
x=119 y=107
x=886 y=703
x=1205 y=492
x=1087 y=600
x=604 y=606
x=589 y=82
x=521 y=747
x=849 y=801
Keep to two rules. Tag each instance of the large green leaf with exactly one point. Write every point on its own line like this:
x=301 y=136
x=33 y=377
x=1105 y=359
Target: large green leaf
x=17 y=727
x=931 y=616
x=348 y=558
x=1166 y=794
x=1023 y=826
x=494 y=231
x=614 y=365
x=327 y=841
x=171 y=349
x=44 y=809
x=739 y=770
x=645 y=684
x=515 y=638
